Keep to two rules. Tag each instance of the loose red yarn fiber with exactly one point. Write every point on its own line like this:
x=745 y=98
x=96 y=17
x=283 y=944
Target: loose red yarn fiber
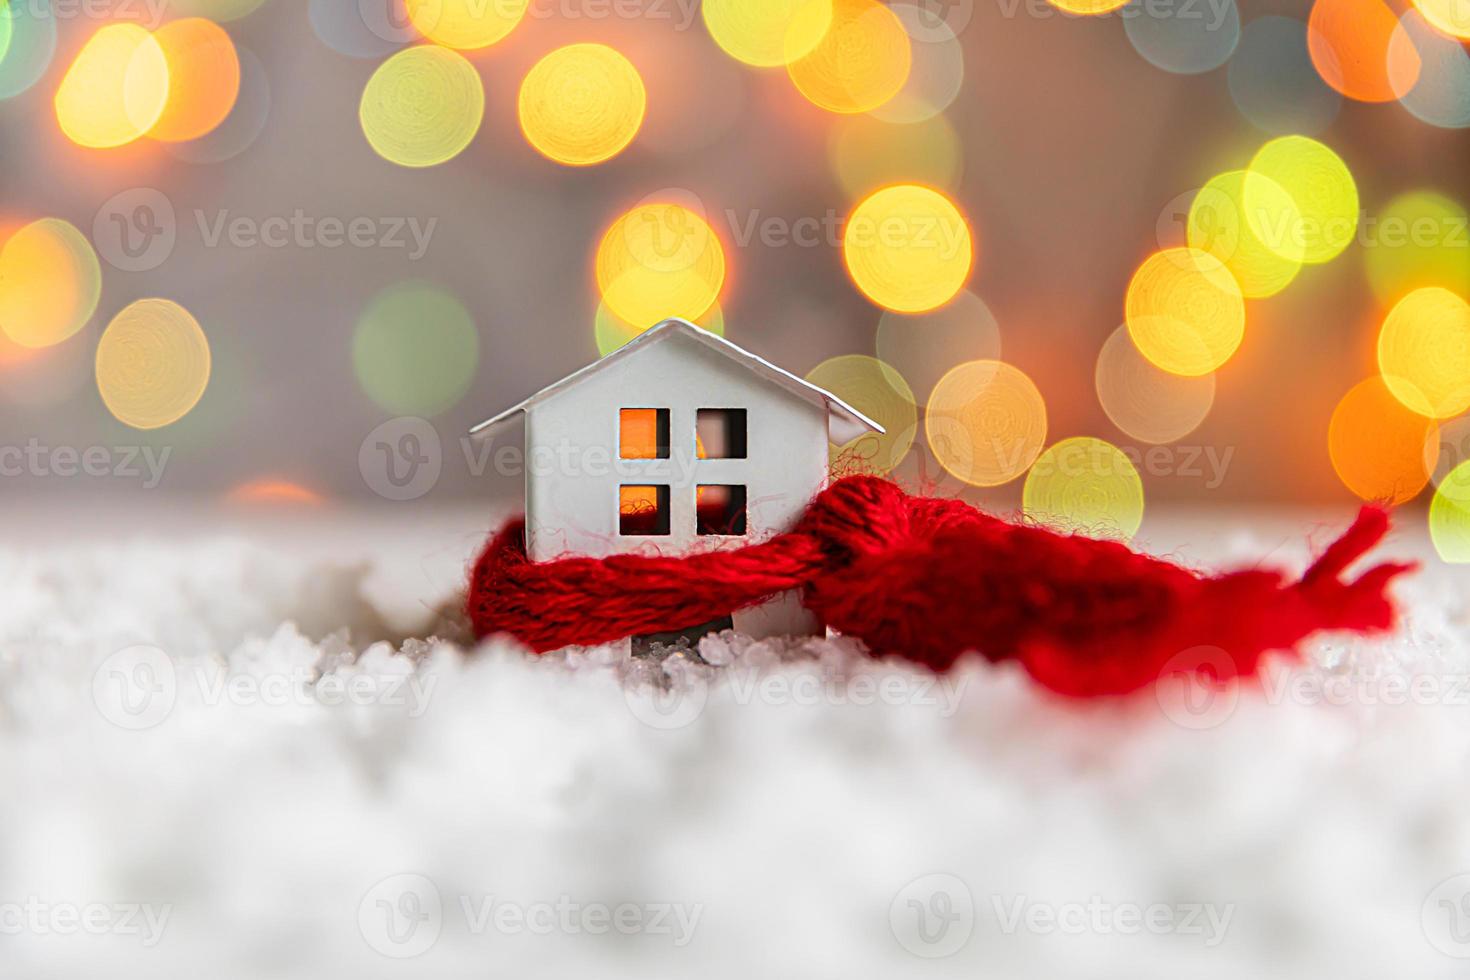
x=929 y=579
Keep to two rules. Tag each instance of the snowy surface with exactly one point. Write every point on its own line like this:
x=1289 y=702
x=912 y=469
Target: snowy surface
x=237 y=750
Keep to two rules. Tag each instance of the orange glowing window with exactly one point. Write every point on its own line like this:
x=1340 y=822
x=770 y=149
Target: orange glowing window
x=720 y=509
x=643 y=509
x=643 y=433
x=719 y=433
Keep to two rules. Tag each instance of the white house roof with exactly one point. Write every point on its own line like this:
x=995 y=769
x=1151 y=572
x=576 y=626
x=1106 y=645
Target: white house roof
x=844 y=422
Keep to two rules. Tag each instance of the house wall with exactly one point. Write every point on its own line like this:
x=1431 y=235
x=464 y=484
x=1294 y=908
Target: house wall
x=573 y=471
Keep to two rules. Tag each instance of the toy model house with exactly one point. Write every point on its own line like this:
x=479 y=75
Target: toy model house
x=678 y=441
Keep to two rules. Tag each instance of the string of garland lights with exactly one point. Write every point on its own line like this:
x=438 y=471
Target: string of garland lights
x=886 y=75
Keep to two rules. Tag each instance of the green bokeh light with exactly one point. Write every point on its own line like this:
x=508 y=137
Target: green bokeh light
x=1218 y=224
x=415 y=350
x=29 y=34
x=1324 y=191
x=1419 y=240
x=1449 y=516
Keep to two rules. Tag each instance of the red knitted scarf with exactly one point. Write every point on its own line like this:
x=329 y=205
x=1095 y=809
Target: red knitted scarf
x=929 y=579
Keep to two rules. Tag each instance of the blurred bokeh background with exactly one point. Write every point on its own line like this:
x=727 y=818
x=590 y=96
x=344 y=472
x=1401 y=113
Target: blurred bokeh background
x=340 y=213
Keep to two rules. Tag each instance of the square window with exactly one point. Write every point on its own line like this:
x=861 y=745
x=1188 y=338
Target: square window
x=720 y=433
x=643 y=509
x=643 y=433
x=720 y=509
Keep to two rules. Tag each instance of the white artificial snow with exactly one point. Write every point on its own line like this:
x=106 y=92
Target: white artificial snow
x=279 y=783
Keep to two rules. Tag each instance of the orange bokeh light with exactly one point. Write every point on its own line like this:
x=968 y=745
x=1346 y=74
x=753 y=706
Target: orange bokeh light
x=863 y=60
x=1349 y=41
x=269 y=491
x=50 y=282
x=204 y=78
x=1377 y=445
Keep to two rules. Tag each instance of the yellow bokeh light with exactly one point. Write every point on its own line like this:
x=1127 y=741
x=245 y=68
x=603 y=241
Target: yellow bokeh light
x=1088 y=8
x=767 y=33
x=867 y=153
x=861 y=62
x=1218 y=225
x=1419 y=240
x=1449 y=516
x=115 y=90
x=660 y=260
x=582 y=104
x=204 y=78
x=50 y=281
x=1450 y=16
x=152 y=364
x=880 y=393
x=908 y=248
x=1145 y=401
x=1085 y=484
x=986 y=422
x=1184 y=311
x=1424 y=352
x=1377 y=446
x=465 y=24
x=1323 y=189
x=422 y=106
x=611 y=331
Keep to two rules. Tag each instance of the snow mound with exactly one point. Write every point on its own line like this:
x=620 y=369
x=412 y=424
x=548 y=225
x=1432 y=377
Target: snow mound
x=218 y=757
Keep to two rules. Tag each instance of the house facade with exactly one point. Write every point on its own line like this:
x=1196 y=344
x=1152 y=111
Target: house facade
x=676 y=443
